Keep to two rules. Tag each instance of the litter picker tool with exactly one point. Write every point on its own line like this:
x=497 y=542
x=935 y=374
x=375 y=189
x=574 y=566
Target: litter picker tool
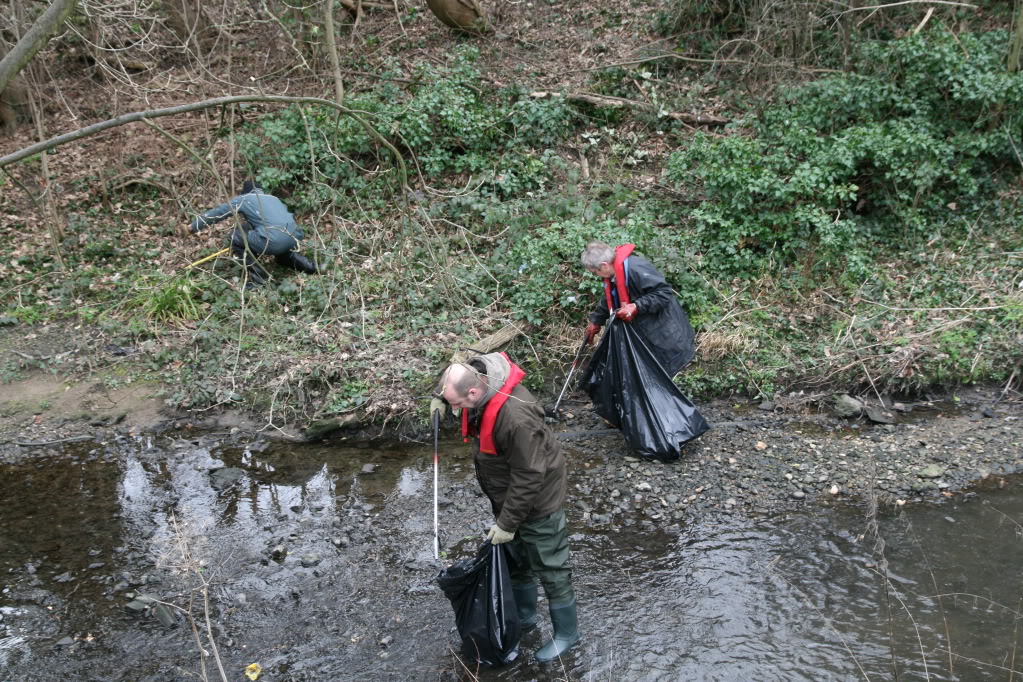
x=209 y=258
x=575 y=363
x=436 y=466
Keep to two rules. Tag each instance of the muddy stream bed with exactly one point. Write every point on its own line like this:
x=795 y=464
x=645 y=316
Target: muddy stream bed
x=317 y=560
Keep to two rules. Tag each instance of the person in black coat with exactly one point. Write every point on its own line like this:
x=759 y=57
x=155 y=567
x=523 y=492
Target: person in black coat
x=646 y=301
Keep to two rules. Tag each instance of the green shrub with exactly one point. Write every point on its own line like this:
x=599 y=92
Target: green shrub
x=852 y=160
x=540 y=268
x=447 y=122
x=173 y=300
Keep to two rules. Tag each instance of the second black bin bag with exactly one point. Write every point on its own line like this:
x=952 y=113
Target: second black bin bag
x=631 y=390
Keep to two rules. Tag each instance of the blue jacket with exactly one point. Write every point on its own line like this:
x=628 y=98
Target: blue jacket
x=259 y=209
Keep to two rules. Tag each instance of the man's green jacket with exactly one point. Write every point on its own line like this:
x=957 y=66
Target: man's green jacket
x=526 y=479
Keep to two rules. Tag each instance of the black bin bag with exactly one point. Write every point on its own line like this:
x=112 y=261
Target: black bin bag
x=481 y=595
x=631 y=390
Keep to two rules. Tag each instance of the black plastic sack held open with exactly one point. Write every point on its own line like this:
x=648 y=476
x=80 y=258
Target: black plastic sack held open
x=481 y=595
x=630 y=389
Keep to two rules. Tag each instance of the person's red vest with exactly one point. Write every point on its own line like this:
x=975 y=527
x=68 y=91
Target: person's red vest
x=493 y=406
x=621 y=253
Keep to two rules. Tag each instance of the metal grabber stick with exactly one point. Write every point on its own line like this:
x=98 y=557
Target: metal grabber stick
x=436 y=467
x=575 y=363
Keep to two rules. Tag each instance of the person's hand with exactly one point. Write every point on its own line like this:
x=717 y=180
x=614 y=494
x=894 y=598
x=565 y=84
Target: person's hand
x=184 y=230
x=437 y=405
x=592 y=329
x=498 y=536
x=627 y=312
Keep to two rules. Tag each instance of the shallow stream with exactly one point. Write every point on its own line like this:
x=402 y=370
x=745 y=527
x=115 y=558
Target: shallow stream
x=319 y=566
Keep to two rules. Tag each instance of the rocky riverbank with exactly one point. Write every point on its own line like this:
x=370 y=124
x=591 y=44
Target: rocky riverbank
x=322 y=552
x=762 y=461
x=757 y=458
x=756 y=462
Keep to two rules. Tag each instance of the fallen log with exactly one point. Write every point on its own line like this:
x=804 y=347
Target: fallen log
x=353 y=6
x=488 y=344
x=321 y=428
x=621 y=102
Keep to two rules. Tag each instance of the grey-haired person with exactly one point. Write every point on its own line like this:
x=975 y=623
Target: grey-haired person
x=640 y=295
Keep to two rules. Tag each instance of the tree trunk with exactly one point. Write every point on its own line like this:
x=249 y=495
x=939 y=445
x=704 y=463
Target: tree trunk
x=1016 y=43
x=34 y=39
x=846 y=28
x=48 y=203
x=328 y=25
x=13 y=104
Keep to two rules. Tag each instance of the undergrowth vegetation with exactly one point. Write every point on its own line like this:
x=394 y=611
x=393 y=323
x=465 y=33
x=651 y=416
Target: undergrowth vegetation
x=859 y=230
x=448 y=121
x=887 y=156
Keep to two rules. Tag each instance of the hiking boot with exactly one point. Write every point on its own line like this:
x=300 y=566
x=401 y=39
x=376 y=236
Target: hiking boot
x=297 y=261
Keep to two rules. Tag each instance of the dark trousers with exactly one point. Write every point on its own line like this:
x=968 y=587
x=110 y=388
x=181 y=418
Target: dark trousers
x=248 y=244
x=542 y=548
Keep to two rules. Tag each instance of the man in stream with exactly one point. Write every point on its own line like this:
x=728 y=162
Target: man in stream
x=521 y=468
x=267 y=229
x=640 y=295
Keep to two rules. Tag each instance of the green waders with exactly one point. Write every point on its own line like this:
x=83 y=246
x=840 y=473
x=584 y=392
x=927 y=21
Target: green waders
x=543 y=546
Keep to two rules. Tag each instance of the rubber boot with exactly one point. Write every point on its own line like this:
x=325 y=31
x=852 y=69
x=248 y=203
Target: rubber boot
x=297 y=261
x=257 y=276
x=525 y=604
x=566 y=632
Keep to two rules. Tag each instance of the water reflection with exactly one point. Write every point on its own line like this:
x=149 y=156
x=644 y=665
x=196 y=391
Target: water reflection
x=54 y=521
x=411 y=482
x=805 y=597
x=796 y=597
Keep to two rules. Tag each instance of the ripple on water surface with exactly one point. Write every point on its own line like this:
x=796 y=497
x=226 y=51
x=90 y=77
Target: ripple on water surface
x=803 y=596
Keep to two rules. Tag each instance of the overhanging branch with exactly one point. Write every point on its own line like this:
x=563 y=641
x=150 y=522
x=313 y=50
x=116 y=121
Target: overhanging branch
x=911 y=2
x=124 y=119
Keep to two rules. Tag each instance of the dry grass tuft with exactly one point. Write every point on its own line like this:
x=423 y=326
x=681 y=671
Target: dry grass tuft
x=714 y=345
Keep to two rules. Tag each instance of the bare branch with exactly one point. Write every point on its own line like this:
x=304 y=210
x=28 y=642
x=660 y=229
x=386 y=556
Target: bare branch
x=199 y=106
x=911 y=2
x=927 y=17
x=1016 y=43
x=328 y=25
x=691 y=60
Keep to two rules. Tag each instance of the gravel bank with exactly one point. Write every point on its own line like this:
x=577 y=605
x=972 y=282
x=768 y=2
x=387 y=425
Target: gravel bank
x=762 y=462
